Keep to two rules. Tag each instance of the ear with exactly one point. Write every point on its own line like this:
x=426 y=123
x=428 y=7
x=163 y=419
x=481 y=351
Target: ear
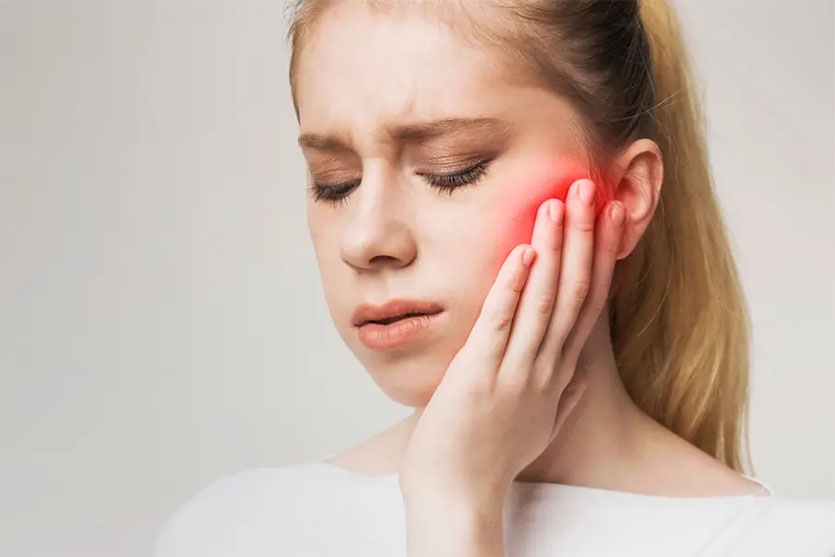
x=639 y=173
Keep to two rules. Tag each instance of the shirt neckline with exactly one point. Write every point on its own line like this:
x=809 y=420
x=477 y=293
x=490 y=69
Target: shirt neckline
x=547 y=487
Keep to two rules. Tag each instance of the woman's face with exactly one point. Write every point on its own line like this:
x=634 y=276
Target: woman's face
x=388 y=104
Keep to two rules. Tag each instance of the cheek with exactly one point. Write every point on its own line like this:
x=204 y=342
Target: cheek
x=513 y=214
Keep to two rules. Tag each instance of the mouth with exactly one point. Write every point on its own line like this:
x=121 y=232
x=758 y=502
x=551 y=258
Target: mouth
x=397 y=323
x=393 y=311
x=400 y=331
x=388 y=320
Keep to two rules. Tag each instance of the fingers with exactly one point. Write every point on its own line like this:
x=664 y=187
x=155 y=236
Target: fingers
x=535 y=319
x=539 y=295
x=488 y=337
x=607 y=244
x=575 y=278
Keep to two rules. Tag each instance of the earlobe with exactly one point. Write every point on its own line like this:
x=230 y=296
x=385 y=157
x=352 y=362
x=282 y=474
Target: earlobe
x=638 y=189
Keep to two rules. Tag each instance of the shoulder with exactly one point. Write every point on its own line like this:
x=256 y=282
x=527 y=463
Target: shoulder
x=788 y=526
x=212 y=520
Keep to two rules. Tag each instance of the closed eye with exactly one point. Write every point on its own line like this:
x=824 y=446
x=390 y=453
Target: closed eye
x=336 y=194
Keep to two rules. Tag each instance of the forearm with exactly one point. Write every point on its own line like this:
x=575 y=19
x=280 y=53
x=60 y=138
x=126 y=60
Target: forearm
x=437 y=528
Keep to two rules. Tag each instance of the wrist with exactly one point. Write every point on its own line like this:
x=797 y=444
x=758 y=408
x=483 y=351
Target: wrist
x=441 y=526
x=485 y=498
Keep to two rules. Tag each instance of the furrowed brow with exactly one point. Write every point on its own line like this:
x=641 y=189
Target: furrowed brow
x=422 y=132
x=416 y=133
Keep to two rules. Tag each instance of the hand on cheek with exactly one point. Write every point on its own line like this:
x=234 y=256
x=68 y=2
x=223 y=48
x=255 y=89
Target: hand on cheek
x=509 y=389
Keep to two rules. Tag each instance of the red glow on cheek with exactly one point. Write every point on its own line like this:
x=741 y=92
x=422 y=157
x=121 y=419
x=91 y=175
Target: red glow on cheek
x=516 y=211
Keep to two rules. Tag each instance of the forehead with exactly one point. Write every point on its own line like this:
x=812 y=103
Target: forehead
x=363 y=70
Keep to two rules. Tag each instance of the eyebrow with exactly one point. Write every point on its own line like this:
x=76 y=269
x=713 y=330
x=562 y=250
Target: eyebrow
x=417 y=133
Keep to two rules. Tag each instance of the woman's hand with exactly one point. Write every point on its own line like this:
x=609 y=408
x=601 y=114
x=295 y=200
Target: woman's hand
x=506 y=393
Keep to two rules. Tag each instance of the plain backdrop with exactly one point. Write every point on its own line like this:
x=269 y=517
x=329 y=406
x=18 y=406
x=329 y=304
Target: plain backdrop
x=161 y=314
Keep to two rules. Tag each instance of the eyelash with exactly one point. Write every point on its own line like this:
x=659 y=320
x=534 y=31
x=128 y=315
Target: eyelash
x=447 y=183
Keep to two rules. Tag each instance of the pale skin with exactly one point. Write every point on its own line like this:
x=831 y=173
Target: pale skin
x=395 y=236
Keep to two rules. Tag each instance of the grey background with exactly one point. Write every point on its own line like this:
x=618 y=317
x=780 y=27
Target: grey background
x=161 y=314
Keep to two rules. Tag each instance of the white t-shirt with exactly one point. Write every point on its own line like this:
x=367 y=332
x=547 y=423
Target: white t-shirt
x=316 y=508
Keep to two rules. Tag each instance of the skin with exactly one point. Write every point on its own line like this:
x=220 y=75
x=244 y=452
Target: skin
x=511 y=387
x=394 y=236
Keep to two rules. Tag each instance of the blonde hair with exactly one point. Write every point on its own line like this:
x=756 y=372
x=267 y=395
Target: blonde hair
x=678 y=318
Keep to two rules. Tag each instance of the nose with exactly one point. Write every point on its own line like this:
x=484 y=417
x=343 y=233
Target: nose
x=378 y=232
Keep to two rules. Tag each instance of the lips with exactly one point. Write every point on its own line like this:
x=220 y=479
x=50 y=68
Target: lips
x=393 y=310
x=388 y=320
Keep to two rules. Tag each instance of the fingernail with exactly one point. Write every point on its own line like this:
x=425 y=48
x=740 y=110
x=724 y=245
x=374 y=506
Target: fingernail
x=527 y=256
x=586 y=192
x=554 y=210
x=617 y=214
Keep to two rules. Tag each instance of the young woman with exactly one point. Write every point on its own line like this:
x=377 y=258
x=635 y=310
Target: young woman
x=513 y=215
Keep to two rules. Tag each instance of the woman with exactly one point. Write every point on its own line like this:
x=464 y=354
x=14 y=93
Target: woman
x=485 y=182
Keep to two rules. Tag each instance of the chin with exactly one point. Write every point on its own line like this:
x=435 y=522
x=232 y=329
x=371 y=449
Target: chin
x=410 y=382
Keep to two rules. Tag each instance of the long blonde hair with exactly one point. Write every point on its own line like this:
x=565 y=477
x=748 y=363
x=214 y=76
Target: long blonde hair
x=679 y=320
